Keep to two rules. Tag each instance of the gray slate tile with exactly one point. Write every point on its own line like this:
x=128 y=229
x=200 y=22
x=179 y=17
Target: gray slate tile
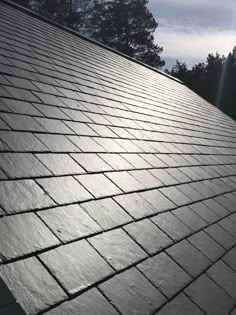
x=22 y=195
x=204 y=212
x=164 y=177
x=132 y=293
x=68 y=189
x=165 y=274
x=125 y=181
x=209 y=297
x=116 y=161
x=24 y=234
x=76 y=266
x=230 y=258
x=175 y=196
x=91 y=162
x=107 y=213
x=117 y=248
x=146 y=179
x=190 y=218
x=69 y=223
x=159 y=202
x=32 y=285
x=220 y=236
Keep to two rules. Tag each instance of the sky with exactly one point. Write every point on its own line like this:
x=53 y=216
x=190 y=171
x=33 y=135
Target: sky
x=190 y=29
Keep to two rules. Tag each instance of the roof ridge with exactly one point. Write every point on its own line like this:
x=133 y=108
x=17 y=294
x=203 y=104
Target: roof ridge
x=86 y=38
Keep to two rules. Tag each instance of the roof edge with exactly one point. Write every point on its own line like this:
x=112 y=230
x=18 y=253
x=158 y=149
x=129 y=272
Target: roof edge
x=86 y=38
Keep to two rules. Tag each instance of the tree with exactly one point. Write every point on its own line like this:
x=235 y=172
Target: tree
x=127 y=26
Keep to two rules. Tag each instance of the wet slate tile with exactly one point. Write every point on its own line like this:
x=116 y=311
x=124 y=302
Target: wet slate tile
x=68 y=189
x=69 y=223
x=32 y=285
x=135 y=205
x=18 y=165
x=57 y=143
x=169 y=223
x=76 y=266
x=107 y=213
x=22 y=195
x=224 y=276
x=164 y=177
x=146 y=178
x=204 y=212
x=91 y=302
x=209 y=297
x=165 y=274
x=21 y=141
x=189 y=258
x=190 y=218
x=117 y=248
x=213 y=205
x=12 y=309
x=6 y=297
x=208 y=246
x=23 y=234
x=116 y=161
x=148 y=236
x=98 y=185
x=132 y=293
x=230 y=259
x=159 y=202
x=125 y=181
x=60 y=164
x=180 y=305
x=175 y=195
x=91 y=162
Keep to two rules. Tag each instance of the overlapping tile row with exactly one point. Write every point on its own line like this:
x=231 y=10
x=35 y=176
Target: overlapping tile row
x=117 y=183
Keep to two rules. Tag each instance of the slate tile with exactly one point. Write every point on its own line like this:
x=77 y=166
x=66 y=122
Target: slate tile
x=232 y=217
x=69 y=223
x=3 y=124
x=221 y=236
x=146 y=179
x=57 y=143
x=131 y=147
x=210 y=248
x=136 y=161
x=81 y=129
x=18 y=165
x=12 y=309
x=60 y=164
x=190 y=192
x=132 y=293
x=204 y=212
x=32 y=285
x=21 y=107
x=135 y=205
x=50 y=111
x=153 y=160
x=190 y=218
x=6 y=296
x=167 y=159
x=86 y=144
x=98 y=185
x=148 y=236
x=175 y=195
x=203 y=190
x=189 y=258
x=22 y=195
x=172 y=226
x=21 y=94
x=165 y=274
x=109 y=145
x=107 y=213
x=91 y=162
x=49 y=99
x=117 y=248
x=180 y=305
x=125 y=181
x=76 y=266
x=102 y=131
x=116 y=161
x=21 y=122
x=24 y=234
x=159 y=202
x=230 y=258
x=190 y=173
x=209 y=297
x=21 y=141
x=224 y=276
x=68 y=189
x=178 y=175
x=164 y=177
x=228 y=226
x=91 y=302
x=54 y=126
x=226 y=203
x=216 y=207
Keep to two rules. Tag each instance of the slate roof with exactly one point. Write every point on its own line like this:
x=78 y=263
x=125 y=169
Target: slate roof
x=117 y=183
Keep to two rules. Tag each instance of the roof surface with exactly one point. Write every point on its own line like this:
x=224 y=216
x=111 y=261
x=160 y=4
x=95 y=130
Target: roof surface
x=117 y=183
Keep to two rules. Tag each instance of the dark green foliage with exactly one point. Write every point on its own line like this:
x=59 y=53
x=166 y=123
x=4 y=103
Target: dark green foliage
x=214 y=80
x=125 y=25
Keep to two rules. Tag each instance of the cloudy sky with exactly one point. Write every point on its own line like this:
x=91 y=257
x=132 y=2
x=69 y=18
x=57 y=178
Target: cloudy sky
x=189 y=29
